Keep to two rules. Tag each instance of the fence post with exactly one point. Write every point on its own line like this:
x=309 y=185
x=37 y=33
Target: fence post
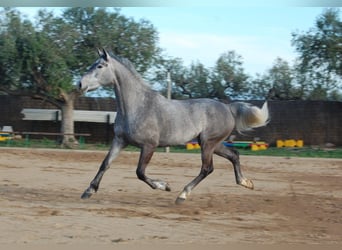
x=56 y=116
x=82 y=142
x=169 y=88
x=27 y=140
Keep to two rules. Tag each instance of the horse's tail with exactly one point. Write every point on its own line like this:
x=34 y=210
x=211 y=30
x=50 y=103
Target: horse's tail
x=248 y=116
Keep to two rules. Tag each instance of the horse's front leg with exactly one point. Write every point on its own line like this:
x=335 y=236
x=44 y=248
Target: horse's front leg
x=145 y=157
x=114 y=151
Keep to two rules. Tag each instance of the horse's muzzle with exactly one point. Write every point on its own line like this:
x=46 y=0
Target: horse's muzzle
x=81 y=87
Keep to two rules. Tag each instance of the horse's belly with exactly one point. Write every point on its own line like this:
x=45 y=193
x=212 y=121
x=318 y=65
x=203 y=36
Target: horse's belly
x=178 y=136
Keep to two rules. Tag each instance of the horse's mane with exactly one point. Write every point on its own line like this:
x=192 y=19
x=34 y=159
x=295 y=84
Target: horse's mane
x=127 y=64
x=130 y=67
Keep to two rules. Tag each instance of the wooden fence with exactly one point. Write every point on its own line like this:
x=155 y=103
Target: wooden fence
x=79 y=115
x=314 y=122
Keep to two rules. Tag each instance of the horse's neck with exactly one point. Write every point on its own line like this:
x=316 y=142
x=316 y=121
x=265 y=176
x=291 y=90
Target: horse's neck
x=130 y=93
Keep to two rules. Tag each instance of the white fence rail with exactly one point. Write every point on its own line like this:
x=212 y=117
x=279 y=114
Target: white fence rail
x=79 y=115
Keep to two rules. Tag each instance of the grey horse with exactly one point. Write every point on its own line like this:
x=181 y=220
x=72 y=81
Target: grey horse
x=148 y=120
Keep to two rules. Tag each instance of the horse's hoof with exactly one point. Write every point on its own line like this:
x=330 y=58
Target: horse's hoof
x=247 y=183
x=179 y=201
x=182 y=197
x=87 y=194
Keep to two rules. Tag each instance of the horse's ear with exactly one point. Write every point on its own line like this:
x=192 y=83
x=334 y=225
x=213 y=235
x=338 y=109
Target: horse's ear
x=105 y=54
x=99 y=52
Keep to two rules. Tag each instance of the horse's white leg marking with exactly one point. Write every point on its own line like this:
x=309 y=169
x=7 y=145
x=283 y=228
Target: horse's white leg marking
x=162 y=185
x=247 y=183
x=182 y=196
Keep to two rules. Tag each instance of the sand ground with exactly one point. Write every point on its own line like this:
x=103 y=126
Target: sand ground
x=295 y=200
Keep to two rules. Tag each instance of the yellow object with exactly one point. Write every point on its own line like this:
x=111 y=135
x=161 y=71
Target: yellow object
x=5 y=136
x=197 y=146
x=262 y=147
x=254 y=147
x=290 y=143
x=260 y=143
x=300 y=143
x=280 y=143
x=189 y=146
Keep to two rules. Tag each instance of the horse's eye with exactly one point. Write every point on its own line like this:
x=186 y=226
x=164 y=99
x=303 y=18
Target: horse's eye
x=100 y=66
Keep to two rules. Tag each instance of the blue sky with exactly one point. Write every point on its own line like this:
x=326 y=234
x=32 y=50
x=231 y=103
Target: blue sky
x=259 y=34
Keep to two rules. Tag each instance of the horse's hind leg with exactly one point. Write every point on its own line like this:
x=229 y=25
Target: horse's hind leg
x=206 y=169
x=233 y=156
x=145 y=157
x=114 y=151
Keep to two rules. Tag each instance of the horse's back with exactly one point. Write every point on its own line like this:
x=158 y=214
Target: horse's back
x=187 y=119
x=207 y=110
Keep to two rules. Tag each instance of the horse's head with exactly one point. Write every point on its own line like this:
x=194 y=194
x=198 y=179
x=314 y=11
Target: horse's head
x=99 y=74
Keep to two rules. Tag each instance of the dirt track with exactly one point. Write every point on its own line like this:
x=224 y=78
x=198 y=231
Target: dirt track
x=295 y=200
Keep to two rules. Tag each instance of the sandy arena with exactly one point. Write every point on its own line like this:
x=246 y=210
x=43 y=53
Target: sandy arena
x=295 y=200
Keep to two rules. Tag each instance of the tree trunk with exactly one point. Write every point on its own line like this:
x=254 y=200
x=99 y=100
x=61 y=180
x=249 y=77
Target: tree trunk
x=67 y=126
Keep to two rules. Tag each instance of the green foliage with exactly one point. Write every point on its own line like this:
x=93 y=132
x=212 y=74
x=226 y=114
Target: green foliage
x=320 y=56
x=30 y=60
x=45 y=57
x=314 y=152
x=229 y=77
x=103 y=27
x=316 y=75
x=226 y=79
x=277 y=83
x=198 y=81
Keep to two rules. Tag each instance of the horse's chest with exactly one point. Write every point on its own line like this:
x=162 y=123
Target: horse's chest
x=137 y=131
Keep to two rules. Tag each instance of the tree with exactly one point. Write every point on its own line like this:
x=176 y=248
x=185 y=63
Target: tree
x=43 y=60
x=188 y=82
x=320 y=54
x=196 y=83
x=34 y=65
x=229 y=78
x=103 y=27
x=261 y=87
x=158 y=77
x=278 y=83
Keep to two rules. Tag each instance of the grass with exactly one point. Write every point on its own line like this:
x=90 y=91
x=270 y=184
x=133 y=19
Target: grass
x=297 y=152
x=272 y=151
